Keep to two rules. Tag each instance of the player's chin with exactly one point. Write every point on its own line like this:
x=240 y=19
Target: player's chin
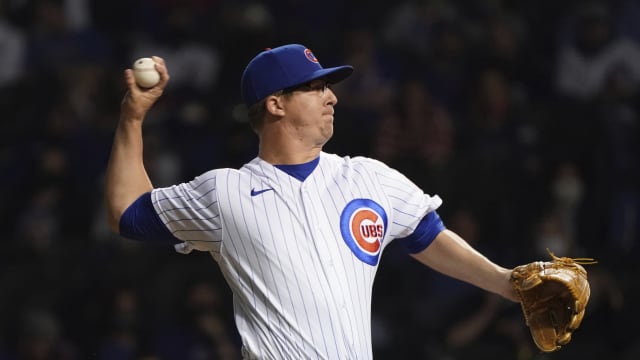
x=327 y=131
x=329 y=122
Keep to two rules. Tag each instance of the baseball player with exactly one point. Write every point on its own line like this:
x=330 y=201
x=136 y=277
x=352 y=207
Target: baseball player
x=297 y=232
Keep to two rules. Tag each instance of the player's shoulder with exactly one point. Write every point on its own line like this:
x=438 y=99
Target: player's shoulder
x=356 y=162
x=209 y=179
x=369 y=162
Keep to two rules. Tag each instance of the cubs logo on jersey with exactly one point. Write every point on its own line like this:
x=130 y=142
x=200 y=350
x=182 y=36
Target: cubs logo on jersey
x=363 y=224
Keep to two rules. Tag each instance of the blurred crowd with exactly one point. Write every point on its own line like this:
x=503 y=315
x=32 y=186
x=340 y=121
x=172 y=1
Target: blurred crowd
x=524 y=116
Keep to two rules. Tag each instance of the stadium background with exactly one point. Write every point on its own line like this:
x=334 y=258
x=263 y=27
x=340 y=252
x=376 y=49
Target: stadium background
x=522 y=115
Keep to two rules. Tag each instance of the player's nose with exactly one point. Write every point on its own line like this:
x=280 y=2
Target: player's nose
x=332 y=98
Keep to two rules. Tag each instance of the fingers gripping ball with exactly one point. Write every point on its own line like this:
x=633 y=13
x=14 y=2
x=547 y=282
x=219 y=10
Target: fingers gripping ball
x=145 y=73
x=553 y=296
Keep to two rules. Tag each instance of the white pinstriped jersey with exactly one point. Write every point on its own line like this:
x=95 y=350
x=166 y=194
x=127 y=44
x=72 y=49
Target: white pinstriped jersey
x=300 y=257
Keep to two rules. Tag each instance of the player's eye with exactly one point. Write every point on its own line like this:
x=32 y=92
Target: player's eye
x=319 y=85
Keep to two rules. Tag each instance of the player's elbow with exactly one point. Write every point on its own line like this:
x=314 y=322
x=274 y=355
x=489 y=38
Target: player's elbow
x=117 y=204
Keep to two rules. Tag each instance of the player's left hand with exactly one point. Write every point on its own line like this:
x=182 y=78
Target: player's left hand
x=137 y=101
x=554 y=295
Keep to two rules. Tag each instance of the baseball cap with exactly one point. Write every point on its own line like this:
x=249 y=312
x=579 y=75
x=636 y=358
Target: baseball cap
x=283 y=67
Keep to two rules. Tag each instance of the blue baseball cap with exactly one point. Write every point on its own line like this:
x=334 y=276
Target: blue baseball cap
x=284 y=67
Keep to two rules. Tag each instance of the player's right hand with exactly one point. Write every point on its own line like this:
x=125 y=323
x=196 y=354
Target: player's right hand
x=137 y=101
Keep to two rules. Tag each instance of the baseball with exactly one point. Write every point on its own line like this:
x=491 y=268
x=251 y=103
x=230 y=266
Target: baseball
x=145 y=72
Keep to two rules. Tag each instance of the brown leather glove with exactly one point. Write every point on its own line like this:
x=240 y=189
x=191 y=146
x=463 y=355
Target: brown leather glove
x=553 y=296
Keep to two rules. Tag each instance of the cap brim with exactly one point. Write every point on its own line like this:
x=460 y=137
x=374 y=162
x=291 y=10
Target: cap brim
x=339 y=73
x=333 y=75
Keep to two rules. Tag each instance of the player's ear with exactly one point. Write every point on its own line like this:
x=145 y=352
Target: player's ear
x=274 y=105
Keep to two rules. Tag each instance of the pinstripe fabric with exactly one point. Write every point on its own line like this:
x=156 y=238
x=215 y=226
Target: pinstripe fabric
x=300 y=291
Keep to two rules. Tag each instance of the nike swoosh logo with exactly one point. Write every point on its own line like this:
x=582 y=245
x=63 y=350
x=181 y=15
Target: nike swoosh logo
x=255 y=192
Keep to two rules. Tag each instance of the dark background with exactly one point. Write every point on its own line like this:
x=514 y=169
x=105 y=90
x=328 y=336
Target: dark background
x=522 y=115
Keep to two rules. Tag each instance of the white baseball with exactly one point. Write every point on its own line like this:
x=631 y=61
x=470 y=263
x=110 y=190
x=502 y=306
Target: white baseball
x=145 y=72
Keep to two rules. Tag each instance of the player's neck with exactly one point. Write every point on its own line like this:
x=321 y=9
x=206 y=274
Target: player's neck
x=287 y=152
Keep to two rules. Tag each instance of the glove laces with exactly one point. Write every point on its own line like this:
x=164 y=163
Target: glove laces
x=567 y=260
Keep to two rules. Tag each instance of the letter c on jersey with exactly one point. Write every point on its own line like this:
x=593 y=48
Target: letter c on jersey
x=363 y=224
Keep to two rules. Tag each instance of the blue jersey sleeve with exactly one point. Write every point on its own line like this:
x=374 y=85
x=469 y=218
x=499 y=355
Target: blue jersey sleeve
x=427 y=230
x=141 y=222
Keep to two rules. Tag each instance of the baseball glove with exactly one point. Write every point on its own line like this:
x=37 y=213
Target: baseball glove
x=553 y=295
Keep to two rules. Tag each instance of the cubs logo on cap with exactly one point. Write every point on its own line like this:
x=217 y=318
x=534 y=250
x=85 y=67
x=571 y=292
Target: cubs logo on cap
x=284 y=67
x=310 y=55
x=363 y=224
